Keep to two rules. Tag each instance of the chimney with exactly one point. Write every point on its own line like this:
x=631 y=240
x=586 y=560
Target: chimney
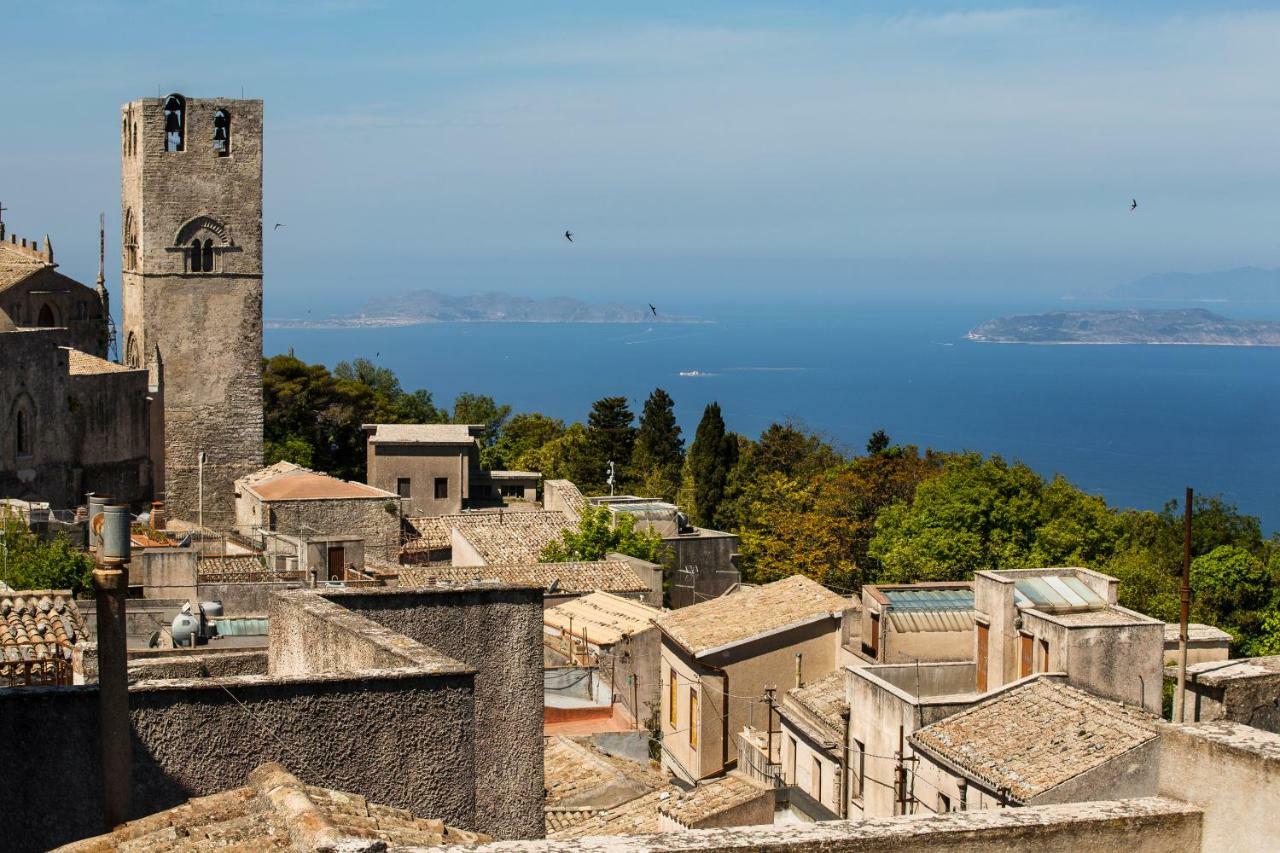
x=111 y=530
x=157 y=515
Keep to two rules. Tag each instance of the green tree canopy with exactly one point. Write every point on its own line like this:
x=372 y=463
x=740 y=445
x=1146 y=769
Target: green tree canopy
x=659 y=448
x=711 y=457
x=524 y=434
x=28 y=562
x=1233 y=589
x=611 y=437
x=471 y=408
x=599 y=534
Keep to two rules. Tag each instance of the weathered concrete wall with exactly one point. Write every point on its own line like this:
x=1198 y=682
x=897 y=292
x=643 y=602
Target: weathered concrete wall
x=633 y=667
x=186 y=664
x=202 y=331
x=1251 y=697
x=422 y=465
x=810 y=765
x=650 y=573
x=1132 y=774
x=1123 y=663
x=1232 y=772
x=243 y=599
x=700 y=565
x=1152 y=825
x=311 y=635
x=498 y=631
x=166 y=572
x=361 y=732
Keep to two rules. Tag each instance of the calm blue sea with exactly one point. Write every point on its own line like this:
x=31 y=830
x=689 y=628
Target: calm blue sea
x=1133 y=424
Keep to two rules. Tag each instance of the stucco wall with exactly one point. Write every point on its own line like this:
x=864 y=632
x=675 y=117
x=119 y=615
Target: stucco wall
x=422 y=464
x=498 y=631
x=1252 y=700
x=182 y=664
x=799 y=752
x=699 y=565
x=751 y=667
x=166 y=572
x=1231 y=771
x=640 y=656
x=361 y=733
x=1152 y=825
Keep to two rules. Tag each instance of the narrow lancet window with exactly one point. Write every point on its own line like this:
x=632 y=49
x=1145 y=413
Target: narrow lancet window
x=221 y=132
x=206 y=263
x=175 y=123
x=196 y=255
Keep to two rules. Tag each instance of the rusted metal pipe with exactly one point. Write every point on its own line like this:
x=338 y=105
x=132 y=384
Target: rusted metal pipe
x=111 y=586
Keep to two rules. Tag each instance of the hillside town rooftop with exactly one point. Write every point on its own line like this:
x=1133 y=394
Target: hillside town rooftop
x=601 y=617
x=750 y=613
x=610 y=575
x=1035 y=737
x=285 y=481
x=820 y=703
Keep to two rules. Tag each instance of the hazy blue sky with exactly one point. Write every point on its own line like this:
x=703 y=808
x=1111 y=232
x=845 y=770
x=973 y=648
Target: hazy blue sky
x=737 y=144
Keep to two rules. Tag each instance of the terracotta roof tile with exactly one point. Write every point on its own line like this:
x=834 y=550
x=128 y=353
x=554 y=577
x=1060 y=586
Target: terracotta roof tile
x=285 y=481
x=574 y=771
x=711 y=798
x=82 y=364
x=635 y=817
x=499 y=537
x=570 y=578
x=750 y=612
x=16 y=266
x=1035 y=737
x=275 y=812
x=38 y=625
x=606 y=618
x=816 y=707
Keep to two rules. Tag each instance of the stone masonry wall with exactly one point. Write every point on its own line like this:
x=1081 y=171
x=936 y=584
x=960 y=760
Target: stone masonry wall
x=497 y=630
x=205 y=329
x=367 y=517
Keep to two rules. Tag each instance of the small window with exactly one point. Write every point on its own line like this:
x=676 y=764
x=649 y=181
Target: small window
x=816 y=781
x=673 y=714
x=873 y=648
x=402 y=487
x=221 y=132
x=206 y=262
x=944 y=803
x=21 y=434
x=442 y=488
x=197 y=256
x=175 y=123
x=693 y=718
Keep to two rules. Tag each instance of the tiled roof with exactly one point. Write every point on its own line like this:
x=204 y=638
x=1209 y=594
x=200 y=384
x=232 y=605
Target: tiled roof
x=82 y=364
x=432 y=532
x=39 y=625
x=1196 y=632
x=817 y=706
x=285 y=481
x=605 y=618
x=750 y=612
x=711 y=798
x=573 y=771
x=510 y=537
x=569 y=577
x=574 y=502
x=16 y=266
x=1036 y=736
x=275 y=811
x=635 y=817
x=421 y=433
x=231 y=565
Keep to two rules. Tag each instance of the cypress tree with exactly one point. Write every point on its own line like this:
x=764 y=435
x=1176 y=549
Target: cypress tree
x=610 y=437
x=711 y=456
x=659 y=448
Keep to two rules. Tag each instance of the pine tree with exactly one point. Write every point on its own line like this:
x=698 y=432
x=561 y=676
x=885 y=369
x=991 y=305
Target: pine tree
x=659 y=448
x=610 y=437
x=711 y=456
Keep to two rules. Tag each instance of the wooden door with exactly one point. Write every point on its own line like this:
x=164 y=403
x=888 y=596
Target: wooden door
x=875 y=635
x=337 y=563
x=1026 y=653
x=982 y=658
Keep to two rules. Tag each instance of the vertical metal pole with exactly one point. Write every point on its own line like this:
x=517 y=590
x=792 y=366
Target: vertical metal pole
x=768 y=726
x=200 y=493
x=113 y=694
x=1180 y=705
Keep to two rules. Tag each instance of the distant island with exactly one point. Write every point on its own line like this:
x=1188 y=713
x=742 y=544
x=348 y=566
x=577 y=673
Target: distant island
x=1189 y=326
x=1243 y=284
x=429 y=306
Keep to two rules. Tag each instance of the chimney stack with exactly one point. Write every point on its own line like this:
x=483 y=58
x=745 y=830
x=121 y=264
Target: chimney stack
x=157 y=515
x=110 y=531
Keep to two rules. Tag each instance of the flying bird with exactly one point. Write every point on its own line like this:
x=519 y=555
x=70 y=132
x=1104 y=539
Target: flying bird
x=568 y=235
x=279 y=225
x=653 y=309
x=1133 y=205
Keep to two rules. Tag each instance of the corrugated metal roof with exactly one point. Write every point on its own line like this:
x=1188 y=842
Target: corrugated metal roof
x=931 y=620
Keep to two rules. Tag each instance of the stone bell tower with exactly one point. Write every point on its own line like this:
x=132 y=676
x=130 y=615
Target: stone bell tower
x=191 y=208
